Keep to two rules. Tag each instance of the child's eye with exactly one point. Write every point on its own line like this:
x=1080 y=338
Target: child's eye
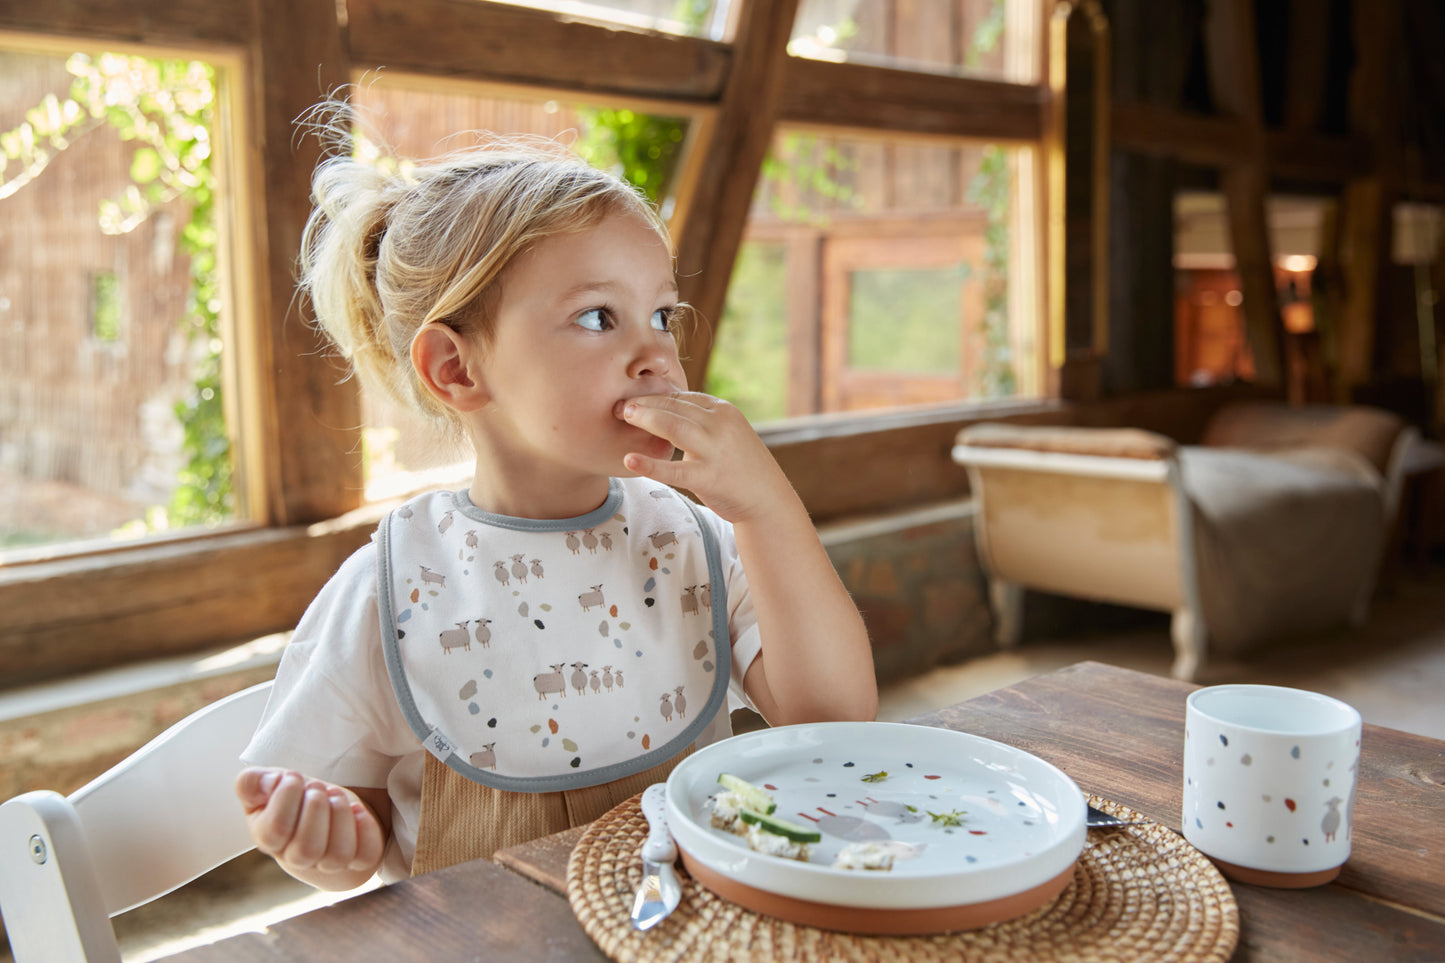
x=662 y=318
x=594 y=320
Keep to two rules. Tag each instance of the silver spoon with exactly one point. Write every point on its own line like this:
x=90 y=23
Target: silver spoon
x=660 y=891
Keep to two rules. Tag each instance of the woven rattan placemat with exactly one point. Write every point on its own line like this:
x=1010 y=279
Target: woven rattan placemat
x=1139 y=892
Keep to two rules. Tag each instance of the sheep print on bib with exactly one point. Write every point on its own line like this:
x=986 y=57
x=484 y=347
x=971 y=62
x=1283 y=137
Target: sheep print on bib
x=543 y=655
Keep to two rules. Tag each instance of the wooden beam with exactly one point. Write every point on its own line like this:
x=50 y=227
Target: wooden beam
x=503 y=43
x=740 y=134
x=1365 y=256
x=822 y=93
x=185 y=24
x=302 y=425
x=1437 y=312
x=1234 y=81
x=165 y=599
x=1307 y=63
x=1245 y=187
x=1368 y=202
x=1233 y=56
x=1318 y=157
x=1209 y=141
x=1192 y=138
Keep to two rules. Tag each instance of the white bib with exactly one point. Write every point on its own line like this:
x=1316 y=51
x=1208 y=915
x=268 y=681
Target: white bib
x=535 y=656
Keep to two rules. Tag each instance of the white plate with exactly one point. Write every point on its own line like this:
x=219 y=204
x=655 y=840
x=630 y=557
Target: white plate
x=1022 y=823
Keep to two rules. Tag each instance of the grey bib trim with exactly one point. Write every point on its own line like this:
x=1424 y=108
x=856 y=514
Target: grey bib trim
x=445 y=748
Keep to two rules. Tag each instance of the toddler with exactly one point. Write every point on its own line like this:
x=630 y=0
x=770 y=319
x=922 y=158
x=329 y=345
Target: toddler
x=519 y=656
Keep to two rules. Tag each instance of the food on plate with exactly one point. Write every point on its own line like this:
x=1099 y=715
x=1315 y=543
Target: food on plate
x=771 y=844
x=747 y=810
x=865 y=855
x=750 y=796
x=780 y=827
x=951 y=818
x=738 y=794
x=876 y=776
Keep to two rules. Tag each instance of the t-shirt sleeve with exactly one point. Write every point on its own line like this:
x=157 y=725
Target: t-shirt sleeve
x=331 y=714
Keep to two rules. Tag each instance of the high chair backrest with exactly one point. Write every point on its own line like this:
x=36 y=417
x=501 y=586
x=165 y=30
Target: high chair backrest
x=157 y=820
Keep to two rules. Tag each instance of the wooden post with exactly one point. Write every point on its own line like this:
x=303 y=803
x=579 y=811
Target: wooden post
x=731 y=158
x=301 y=427
x=1368 y=201
x=1077 y=148
x=1234 y=80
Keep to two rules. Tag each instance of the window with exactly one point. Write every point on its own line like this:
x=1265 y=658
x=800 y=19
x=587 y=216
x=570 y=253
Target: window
x=246 y=366
x=111 y=421
x=977 y=38
x=908 y=248
x=698 y=18
x=105 y=306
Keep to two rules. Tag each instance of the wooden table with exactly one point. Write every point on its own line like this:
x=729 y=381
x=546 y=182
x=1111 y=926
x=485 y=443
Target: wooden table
x=1116 y=732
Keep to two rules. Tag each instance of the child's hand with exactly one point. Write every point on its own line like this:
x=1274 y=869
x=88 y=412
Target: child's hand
x=816 y=662
x=724 y=461
x=314 y=829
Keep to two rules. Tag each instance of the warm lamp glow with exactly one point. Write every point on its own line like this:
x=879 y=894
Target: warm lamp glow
x=1298 y=263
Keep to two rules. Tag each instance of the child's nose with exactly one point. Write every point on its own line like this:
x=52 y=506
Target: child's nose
x=650 y=360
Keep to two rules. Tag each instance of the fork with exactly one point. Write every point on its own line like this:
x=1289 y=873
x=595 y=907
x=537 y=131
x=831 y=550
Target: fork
x=1098 y=819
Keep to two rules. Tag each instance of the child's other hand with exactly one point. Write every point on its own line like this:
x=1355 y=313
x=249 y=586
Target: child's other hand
x=724 y=461
x=308 y=825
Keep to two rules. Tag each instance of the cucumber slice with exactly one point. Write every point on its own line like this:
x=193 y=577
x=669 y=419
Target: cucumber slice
x=752 y=797
x=780 y=827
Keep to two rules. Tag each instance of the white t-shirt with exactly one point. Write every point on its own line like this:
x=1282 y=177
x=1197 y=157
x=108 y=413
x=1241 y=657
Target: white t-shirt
x=333 y=714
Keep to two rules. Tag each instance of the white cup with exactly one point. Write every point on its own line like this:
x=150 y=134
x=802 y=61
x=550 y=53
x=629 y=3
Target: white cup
x=1269 y=782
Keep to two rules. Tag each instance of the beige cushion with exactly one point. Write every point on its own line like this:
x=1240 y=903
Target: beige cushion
x=1369 y=432
x=1106 y=442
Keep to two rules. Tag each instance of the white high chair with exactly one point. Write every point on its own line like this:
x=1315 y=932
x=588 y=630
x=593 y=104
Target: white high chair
x=157 y=820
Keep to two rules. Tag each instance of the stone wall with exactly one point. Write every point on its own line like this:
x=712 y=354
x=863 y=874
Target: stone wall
x=915 y=576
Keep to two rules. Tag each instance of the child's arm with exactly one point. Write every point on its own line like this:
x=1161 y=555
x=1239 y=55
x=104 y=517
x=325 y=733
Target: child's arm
x=816 y=662
x=331 y=837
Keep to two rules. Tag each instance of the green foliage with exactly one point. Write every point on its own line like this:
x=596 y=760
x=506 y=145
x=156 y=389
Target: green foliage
x=808 y=178
x=643 y=149
x=749 y=364
x=105 y=307
x=168 y=108
x=990 y=190
x=986 y=35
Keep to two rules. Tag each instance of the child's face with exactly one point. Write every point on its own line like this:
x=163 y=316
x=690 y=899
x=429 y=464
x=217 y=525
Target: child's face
x=583 y=323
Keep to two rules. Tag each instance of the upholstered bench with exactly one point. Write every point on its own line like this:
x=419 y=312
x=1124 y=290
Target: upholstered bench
x=1272 y=526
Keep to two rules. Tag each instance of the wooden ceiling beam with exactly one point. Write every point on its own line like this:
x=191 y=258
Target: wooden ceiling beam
x=506 y=44
x=853 y=96
x=155 y=23
x=1191 y=138
x=1321 y=157
x=1209 y=141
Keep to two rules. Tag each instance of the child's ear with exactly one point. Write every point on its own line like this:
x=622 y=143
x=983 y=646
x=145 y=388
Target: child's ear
x=448 y=365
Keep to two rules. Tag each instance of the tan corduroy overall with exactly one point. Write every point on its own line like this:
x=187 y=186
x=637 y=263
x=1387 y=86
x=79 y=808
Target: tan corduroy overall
x=462 y=820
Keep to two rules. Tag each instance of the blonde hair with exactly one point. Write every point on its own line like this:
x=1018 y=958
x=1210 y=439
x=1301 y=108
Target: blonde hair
x=387 y=251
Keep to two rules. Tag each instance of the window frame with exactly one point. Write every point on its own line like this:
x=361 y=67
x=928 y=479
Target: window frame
x=302 y=477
